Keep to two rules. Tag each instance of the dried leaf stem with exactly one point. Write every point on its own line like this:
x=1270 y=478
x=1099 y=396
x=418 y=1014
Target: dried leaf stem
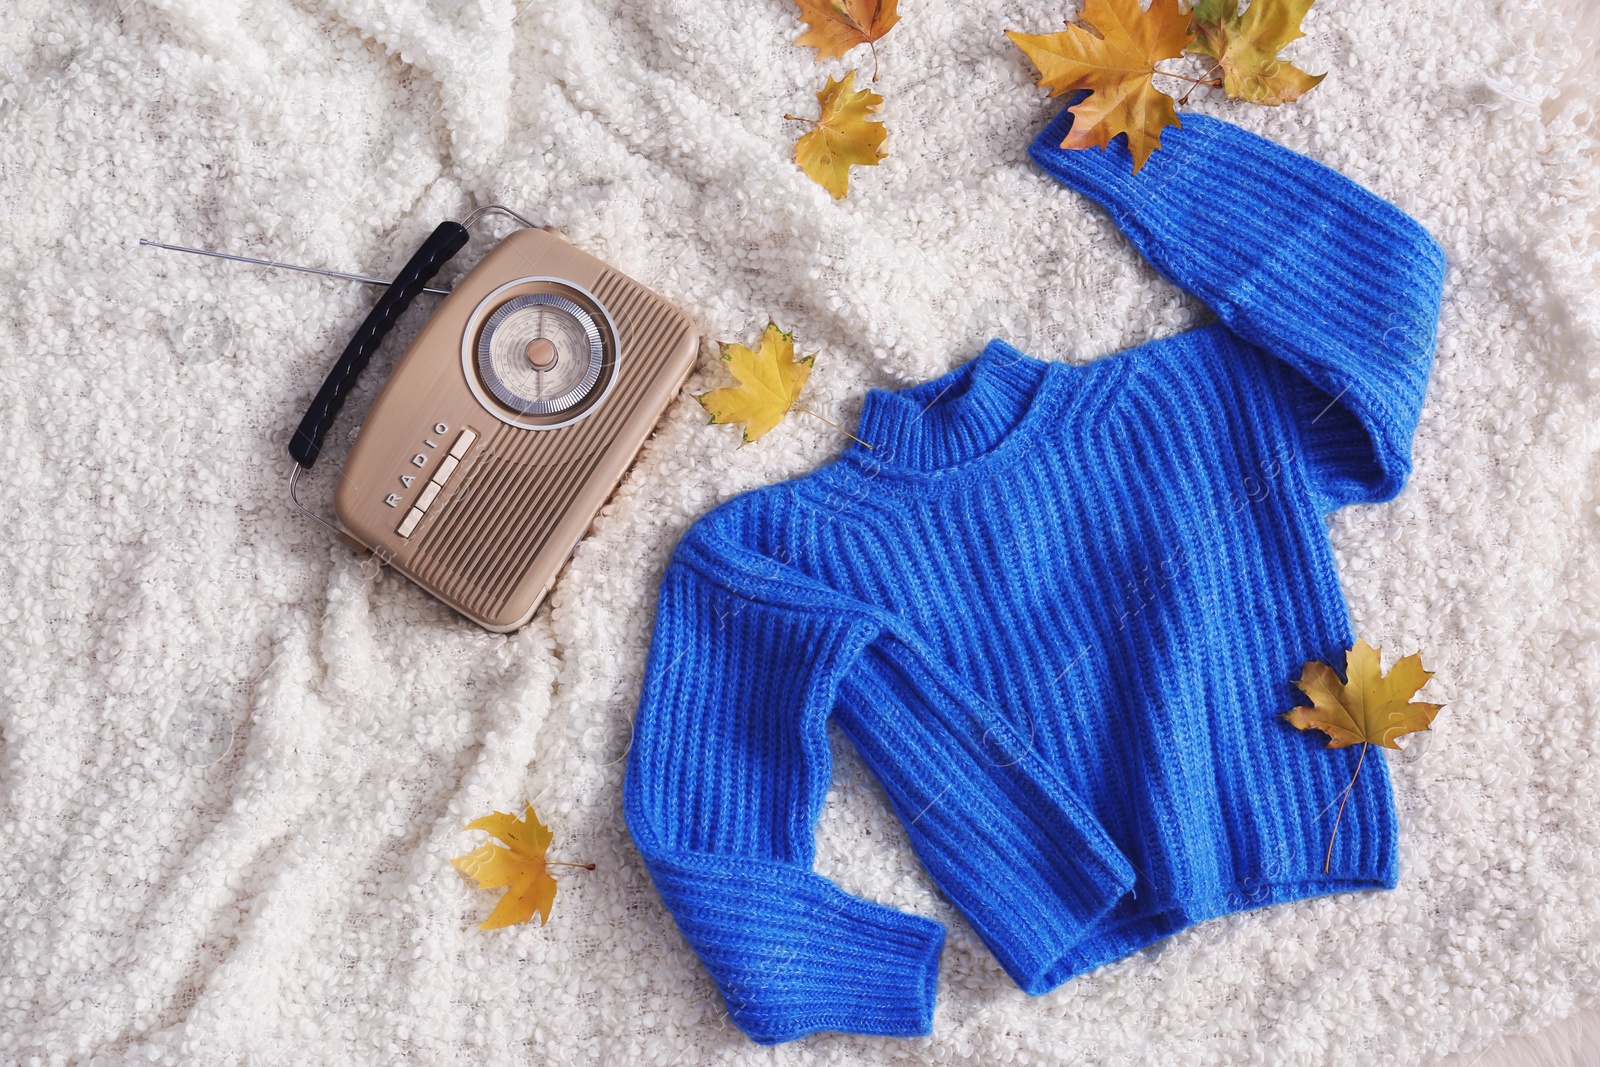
x=1328 y=859
x=1214 y=83
x=1184 y=99
x=836 y=426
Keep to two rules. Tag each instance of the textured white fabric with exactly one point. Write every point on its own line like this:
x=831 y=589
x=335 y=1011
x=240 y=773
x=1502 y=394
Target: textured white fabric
x=234 y=760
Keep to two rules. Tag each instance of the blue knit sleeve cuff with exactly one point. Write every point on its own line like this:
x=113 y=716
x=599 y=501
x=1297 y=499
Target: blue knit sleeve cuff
x=875 y=971
x=1105 y=175
x=1142 y=205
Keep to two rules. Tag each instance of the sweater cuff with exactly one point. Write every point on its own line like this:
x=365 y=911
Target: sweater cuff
x=883 y=981
x=1187 y=211
x=1105 y=175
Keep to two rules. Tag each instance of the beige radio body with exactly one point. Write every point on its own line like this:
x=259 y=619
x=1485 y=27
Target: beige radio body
x=479 y=503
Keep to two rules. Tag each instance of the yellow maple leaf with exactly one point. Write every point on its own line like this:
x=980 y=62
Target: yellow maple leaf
x=770 y=380
x=1246 y=47
x=842 y=136
x=836 y=26
x=1371 y=708
x=1117 y=67
x=520 y=867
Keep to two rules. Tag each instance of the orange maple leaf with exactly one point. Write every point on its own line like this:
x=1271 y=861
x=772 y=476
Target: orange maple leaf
x=836 y=26
x=1117 y=66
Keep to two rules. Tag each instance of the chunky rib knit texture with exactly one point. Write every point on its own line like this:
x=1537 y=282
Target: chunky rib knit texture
x=1057 y=609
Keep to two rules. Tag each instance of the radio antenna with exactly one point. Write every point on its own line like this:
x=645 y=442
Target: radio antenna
x=146 y=242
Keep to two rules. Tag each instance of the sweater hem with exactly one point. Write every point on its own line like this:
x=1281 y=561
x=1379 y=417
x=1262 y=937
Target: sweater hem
x=1113 y=942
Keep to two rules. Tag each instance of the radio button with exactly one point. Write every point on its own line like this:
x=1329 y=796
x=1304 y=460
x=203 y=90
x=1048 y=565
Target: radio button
x=463 y=442
x=409 y=523
x=428 y=493
x=446 y=469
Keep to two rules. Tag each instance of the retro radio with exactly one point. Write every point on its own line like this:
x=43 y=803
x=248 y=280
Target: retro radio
x=506 y=424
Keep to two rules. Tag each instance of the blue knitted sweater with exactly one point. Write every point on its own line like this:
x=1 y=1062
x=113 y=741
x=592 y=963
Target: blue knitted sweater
x=1057 y=609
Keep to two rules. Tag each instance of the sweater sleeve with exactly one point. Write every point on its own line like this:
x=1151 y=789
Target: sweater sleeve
x=728 y=770
x=1297 y=260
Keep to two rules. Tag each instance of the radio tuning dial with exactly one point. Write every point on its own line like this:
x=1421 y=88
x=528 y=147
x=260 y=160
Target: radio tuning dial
x=546 y=355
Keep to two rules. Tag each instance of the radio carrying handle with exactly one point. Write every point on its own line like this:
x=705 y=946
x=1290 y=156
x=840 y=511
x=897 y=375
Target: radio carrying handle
x=441 y=245
x=445 y=241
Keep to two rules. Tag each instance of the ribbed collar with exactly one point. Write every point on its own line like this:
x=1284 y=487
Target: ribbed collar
x=956 y=418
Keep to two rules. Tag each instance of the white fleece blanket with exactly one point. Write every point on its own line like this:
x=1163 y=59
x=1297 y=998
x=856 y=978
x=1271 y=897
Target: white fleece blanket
x=235 y=761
